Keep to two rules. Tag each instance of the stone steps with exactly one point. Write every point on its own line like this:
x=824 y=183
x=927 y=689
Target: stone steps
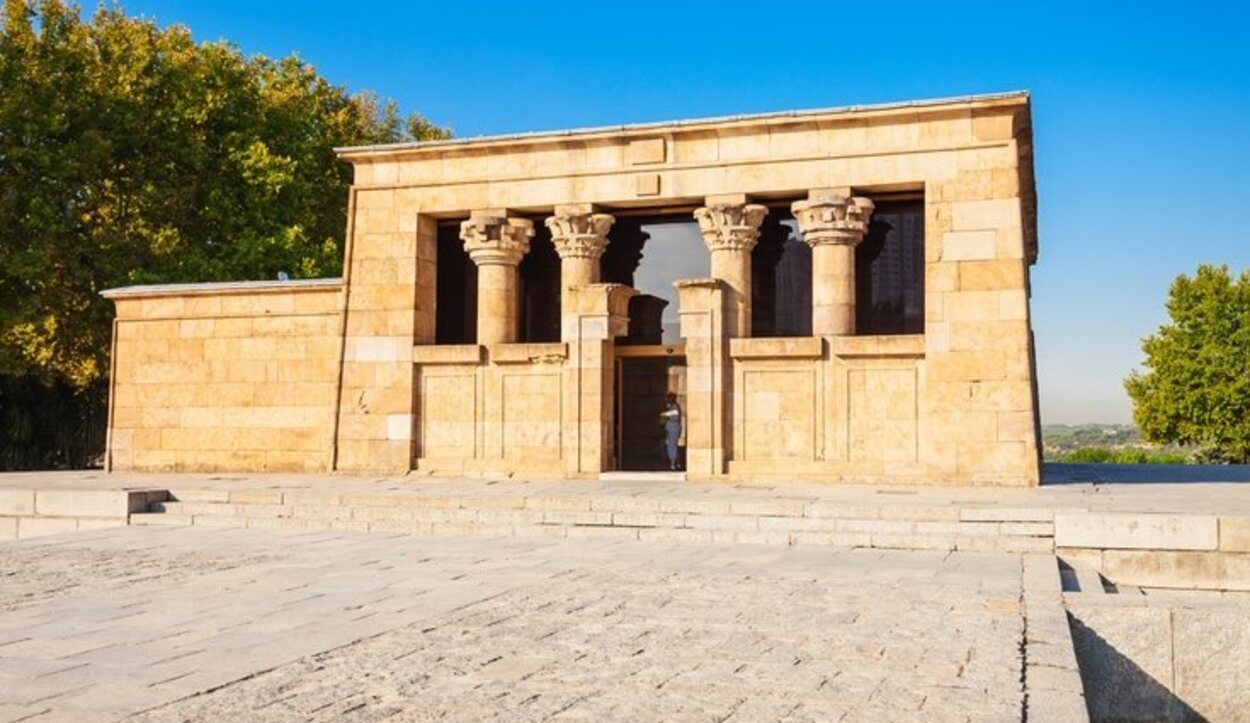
x=655 y=518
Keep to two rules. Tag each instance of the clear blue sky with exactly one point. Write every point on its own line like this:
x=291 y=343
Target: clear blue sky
x=1141 y=113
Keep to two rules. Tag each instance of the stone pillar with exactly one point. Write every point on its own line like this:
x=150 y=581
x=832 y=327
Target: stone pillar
x=833 y=223
x=730 y=228
x=703 y=306
x=580 y=237
x=496 y=243
x=597 y=314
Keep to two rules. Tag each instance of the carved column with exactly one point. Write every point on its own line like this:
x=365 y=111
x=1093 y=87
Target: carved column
x=496 y=243
x=833 y=223
x=731 y=228
x=580 y=237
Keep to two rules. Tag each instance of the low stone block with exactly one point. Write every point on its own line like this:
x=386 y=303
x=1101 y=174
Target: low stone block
x=560 y=504
x=1034 y=529
x=1136 y=531
x=663 y=534
x=833 y=539
x=255 y=497
x=82 y=503
x=576 y=518
x=625 y=504
x=776 y=508
x=1235 y=534
x=1200 y=570
x=722 y=522
x=8 y=528
x=100 y=523
x=601 y=533
x=17 y=502
x=913 y=542
x=751 y=537
x=28 y=527
x=160 y=519
x=200 y=495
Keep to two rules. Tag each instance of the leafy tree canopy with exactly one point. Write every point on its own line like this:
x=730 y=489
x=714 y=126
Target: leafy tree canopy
x=1195 y=389
x=131 y=154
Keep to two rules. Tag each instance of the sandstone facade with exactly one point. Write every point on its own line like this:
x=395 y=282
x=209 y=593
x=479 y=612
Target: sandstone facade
x=347 y=375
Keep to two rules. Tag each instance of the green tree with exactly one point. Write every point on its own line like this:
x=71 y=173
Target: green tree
x=132 y=154
x=1195 y=389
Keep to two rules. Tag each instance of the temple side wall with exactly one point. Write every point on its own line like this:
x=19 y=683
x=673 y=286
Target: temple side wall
x=233 y=381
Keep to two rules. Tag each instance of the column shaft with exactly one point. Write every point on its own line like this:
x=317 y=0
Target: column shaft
x=833 y=289
x=731 y=227
x=833 y=223
x=580 y=236
x=575 y=271
x=733 y=266
x=496 y=244
x=496 y=303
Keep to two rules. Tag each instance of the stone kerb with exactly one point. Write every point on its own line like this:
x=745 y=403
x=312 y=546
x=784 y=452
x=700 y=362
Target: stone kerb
x=1206 y=552
x=26 y=513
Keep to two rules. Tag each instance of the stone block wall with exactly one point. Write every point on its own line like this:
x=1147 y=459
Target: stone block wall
x=490 y=409
x=225 y=377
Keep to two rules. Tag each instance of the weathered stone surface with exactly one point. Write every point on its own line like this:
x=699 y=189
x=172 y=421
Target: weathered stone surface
x=17 y=502
x=1188 y=570
x=1235 y=534
x=1212 y=648
x=1136 y=531
x=1125 y=656
x=331 y=625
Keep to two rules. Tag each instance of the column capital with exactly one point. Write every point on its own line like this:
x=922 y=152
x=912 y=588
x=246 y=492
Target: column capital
x=833 y=216
x=726 y=225
x=492 y=237
x=578 y=232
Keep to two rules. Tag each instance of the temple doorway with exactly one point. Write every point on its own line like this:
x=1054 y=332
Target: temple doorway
x=645 y=376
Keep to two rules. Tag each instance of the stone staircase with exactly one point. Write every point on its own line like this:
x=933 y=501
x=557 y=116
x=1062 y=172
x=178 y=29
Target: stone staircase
x=647 y=517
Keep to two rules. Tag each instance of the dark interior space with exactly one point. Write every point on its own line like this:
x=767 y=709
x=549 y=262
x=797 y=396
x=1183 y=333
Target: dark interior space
x=889 y=271
x=539 y=288
x=455 y=305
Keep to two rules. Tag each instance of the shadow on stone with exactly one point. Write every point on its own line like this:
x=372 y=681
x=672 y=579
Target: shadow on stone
x=1116 y=689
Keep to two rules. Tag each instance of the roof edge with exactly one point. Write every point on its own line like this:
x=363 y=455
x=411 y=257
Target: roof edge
x=354 y=152
x=220 y=287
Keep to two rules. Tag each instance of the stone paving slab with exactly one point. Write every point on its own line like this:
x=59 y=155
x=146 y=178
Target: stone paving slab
x=197 y=623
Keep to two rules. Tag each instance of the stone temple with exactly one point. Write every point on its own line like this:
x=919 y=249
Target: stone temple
x=835 y=295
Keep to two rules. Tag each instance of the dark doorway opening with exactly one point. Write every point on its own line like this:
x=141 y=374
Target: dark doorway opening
x=455 y=302
x=642 y=384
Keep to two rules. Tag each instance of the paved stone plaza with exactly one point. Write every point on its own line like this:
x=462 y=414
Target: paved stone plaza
x=196 y=624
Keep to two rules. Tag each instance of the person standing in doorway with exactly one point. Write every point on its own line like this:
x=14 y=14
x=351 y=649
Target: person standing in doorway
x=672 y=428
